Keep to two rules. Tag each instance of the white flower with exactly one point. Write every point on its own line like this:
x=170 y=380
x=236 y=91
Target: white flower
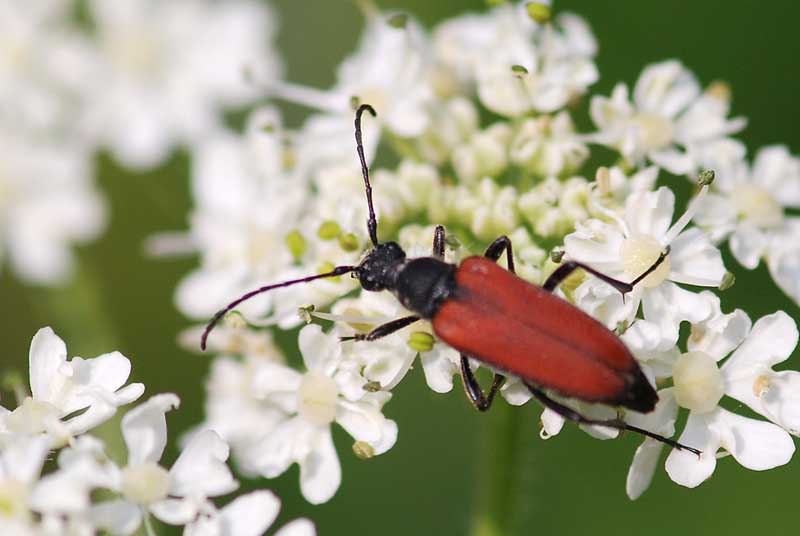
x=625 y=249
x=516 y=65
x=45 y=66
x=168 y=70
x=250 y=514
x=488 y=209
x=176 y=496
x=784 y=259
x=233 y=337
x=242 y=243
x=387 y=360
x=485 y=154
x=548 y=146
x=47 y=202
x=389 y=71
x=70 y=397
x=553 y=207
x=328 y=391
x=749 y=204
x=20 y=466
x=613 y=186
x=452 y=123
x=700 y=384
x=237 y=411
x=558 y=68
x=668 y=113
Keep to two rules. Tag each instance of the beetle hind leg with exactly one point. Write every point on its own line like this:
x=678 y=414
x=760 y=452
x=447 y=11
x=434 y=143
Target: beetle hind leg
x=479 y=399
x=572 y=415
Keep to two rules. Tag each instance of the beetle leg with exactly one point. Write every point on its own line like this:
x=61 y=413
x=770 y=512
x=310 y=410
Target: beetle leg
x=481 y=401
x=574 y=416
x=438 y=242
x=564 y=271
x=496 y=248
x=383 y=330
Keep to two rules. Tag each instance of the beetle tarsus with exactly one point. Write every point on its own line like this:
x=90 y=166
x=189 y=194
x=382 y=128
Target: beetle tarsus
x=572 y=415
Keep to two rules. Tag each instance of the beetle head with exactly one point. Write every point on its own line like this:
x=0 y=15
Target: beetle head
x=378 y=270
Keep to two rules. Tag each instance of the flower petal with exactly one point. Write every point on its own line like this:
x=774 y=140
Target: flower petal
x=642 y=468
x=116 y=516
x=320 y=472
x=721 y=333
x=201 y=470
x=175 y=511
x=250 y=514
x=48 y=352
x=688 y=469
x=668 y=305
x=771 y=341
x=320 y=350
x=439 y=366
x=144 y=428
x=298 y=527
x=695 y=260
x=757 y=445
x=748 y=244
x=278 y=448
x=650 y=213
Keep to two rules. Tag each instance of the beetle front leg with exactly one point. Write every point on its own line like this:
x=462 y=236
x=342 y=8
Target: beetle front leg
x=438 y=242
x=572 y=415
x=383 y=330
x=566 y=269
x=496 y=249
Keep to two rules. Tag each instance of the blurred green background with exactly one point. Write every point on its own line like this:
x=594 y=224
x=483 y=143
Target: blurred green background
x=427 y=483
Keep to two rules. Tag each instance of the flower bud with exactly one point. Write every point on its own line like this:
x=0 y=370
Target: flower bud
x=421 y=341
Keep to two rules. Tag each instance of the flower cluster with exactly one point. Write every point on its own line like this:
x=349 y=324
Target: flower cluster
x=480 y=115
x=136 y=78
x=70 y=397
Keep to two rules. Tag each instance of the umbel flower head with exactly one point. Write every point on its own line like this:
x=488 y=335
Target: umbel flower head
x=478 y=113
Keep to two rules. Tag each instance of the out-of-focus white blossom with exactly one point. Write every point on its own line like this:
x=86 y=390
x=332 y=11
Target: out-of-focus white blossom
x=515 y=65
x=166 y=72
x=250 y=514
x=48 y=203
x=748 y=207
x=246 y=203
x=389 y=70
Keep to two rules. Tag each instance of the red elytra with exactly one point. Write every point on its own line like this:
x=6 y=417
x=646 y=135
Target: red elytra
x=524 y=330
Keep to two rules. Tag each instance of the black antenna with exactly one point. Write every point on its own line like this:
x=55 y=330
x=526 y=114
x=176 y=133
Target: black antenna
x=339 y=270
x=372 y=223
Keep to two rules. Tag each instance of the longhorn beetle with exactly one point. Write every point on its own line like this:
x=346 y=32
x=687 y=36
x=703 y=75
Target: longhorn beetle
x=492 y=315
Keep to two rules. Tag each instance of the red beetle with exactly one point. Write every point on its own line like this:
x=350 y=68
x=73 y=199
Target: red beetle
x=492 y=315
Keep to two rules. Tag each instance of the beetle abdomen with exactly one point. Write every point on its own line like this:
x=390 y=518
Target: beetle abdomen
x=520 y=328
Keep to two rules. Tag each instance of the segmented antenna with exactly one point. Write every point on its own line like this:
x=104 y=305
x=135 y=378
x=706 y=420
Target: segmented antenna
x=372 y=223
x=339 y=270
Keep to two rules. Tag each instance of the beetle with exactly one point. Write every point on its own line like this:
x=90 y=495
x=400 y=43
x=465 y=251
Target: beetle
x=489 y=314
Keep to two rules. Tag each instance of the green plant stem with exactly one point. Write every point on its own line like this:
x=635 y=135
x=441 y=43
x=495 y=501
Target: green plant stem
x=498 y=482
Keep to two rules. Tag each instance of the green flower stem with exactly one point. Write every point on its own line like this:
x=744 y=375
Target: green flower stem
x=497 y=497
